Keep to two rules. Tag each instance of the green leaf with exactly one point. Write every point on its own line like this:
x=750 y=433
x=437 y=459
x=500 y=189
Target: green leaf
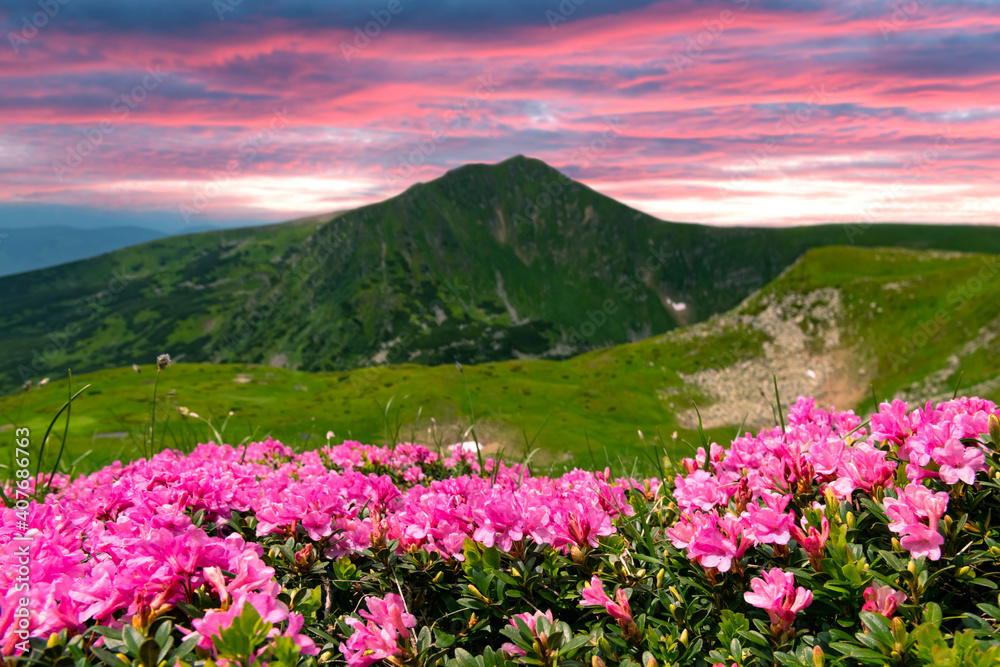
x=990 y=609
x=133 y=639
x=932 y=613
x=867 y=656
x=109 y=658
x=491 y=558
x=107 y=632
x=574 y=644
x=878 y=628
x=149 y=652
x=852 y=574
x=444 y=640
x=163 y=632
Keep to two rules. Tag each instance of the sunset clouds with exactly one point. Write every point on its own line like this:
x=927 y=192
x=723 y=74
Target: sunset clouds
x=725 y=112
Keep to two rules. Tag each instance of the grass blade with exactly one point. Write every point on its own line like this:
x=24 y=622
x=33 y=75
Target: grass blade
x=62 y=445
x=41 y=449
x=701 y=429
x=777 y=398
x=742 y=424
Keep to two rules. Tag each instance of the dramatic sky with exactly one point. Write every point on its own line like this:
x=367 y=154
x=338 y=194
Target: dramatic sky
x=191 y=112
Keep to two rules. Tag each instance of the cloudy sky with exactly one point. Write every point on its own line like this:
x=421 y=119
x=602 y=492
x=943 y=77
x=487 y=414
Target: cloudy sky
x=194 y=112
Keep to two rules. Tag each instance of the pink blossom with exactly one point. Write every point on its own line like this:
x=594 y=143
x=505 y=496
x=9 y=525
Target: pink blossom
x=914 y=505
x=958 y=462
x=815 y=541
x=883 y=600
x=770 y=524
x=379 y=638
x=594 y=596
x=700 y=490
x=531 y=620
x=777 y=595
x=892 y=422
x=921 y=540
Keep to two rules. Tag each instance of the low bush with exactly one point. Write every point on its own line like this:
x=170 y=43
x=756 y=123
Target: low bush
x=821 y=541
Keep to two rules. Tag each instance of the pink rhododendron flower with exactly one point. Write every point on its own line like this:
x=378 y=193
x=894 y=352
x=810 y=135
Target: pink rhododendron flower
x=770 y=524
x=883 y=600
x=814 y=542
x=530 y=619
x=958 y=462
x=379 y=638
x=594 y=596
x=700 y=490
x=914 y=505
x=776 y=594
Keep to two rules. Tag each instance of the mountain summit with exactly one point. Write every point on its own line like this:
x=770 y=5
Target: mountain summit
x=487 y=262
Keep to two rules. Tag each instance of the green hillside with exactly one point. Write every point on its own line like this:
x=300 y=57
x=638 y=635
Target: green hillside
x=487 y=263
x=839 y=324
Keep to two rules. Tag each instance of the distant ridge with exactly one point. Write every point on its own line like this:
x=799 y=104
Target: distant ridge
x=487 y=262
x=31 y=248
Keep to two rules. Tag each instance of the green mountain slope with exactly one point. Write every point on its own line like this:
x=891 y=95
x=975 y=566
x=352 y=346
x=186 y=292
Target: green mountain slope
x=489 y=262
x=840 y=324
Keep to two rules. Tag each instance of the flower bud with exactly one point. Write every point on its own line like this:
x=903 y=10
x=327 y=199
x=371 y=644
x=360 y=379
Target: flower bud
x=850 y=524
x=948 y=521
x=994 y=422
x=604 y=645
x=659 y=577
x=896 y=546
x=303 y=557
x=437 y=577
x=596 y=661
x=911 y=567
x=683 y=639
x=819 y=658
x=476 y=592
x=641 y=573
x=831 y=498
x=965 y=573
x=652 y=662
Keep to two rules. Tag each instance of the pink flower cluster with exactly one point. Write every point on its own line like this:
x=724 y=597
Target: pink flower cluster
x=121 y=543
x=387 y=624
x=593 y=595
x=883 y=600
x=776 y=594
x=915 y=505
x=531 y=620
x=929 y=439
x=734 y=499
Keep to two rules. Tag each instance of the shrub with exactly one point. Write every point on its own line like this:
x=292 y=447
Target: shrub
x=829 y=540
